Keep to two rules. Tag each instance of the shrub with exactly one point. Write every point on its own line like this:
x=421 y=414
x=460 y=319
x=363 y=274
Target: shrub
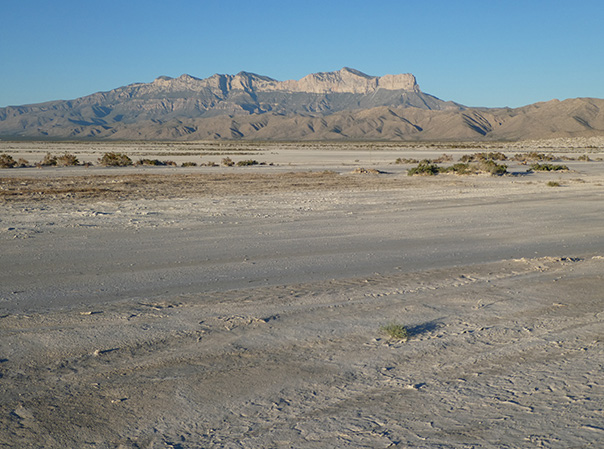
x=149 y=162
x=493 y=167
x=534 y=156
x=460 y=168
x=49 y=160
x=7 y=161
x=115 y=160
x=395 y=331
x=553 y=184
x=424 y=168
x=66 y=160
x=247 y=162
x=480 y=157
x=584 y=157
x=227 y=161
x=548 y=167
x=406 y=161
x=189 y=164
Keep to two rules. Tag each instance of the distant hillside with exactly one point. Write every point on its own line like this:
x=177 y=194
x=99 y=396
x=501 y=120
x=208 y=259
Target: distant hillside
x=346 y=104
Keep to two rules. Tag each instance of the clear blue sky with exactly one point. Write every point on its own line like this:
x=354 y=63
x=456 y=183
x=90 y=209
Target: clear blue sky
x=476 y=52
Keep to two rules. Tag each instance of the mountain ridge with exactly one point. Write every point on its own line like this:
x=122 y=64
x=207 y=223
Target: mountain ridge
x=345 y=104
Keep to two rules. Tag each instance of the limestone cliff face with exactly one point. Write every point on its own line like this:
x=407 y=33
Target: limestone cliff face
x=345 y=80
x=349 y=81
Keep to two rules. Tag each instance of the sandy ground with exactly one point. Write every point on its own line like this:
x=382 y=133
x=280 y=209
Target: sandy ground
x=241 y=308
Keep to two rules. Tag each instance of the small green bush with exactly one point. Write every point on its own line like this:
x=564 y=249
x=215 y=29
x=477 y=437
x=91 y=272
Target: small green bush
x=247 y=162
x=548 y=167
x=66 y=160
x=189 y=164
x=395 y=331
x=424 y=168
x=584 y=157
x=553 y=184
x=115 y=160
x=227 y=161
x=460 y=168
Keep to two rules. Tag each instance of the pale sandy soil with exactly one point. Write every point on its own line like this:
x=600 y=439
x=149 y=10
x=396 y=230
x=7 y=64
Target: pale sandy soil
x=241 y=308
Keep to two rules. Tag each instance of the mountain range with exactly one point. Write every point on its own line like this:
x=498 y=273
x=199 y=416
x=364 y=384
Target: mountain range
x=345 y=104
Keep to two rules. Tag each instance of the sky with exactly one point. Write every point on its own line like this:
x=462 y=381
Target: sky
x=491 y=53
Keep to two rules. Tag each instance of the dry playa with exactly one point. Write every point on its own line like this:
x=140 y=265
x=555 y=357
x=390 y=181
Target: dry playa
x=241 y=307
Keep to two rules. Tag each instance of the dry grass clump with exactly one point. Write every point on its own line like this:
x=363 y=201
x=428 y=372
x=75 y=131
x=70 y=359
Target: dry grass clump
x=227 y=162
x=113 y=159
x=189 y=164
x=66 y=160
x=553 y=184
x=49 y=161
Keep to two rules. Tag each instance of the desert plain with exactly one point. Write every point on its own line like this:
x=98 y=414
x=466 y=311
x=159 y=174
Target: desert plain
x=244 y=307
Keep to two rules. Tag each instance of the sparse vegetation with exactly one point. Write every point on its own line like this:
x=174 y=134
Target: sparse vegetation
x=548 y=167
x=189 y=164
x=438 y=160
x=113 y=159
x=584 y=157
x=427 y=168
x=553 y=184
x=483 y=157
x=395 y=331
x=533 y=156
